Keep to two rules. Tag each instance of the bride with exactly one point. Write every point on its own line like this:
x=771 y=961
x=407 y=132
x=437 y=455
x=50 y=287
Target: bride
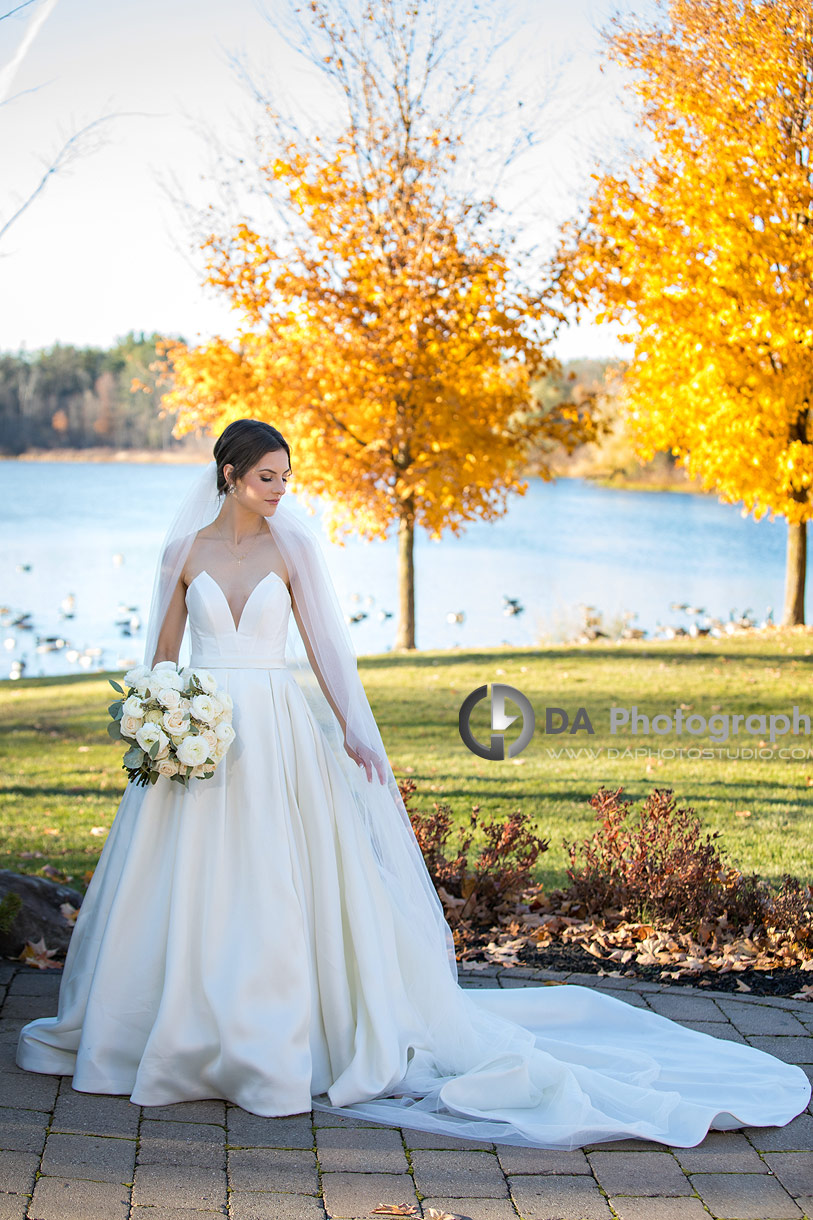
x=271 y=935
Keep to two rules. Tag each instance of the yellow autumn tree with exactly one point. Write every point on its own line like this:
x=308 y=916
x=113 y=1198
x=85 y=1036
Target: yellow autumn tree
x=703 y=250
x=382 y=326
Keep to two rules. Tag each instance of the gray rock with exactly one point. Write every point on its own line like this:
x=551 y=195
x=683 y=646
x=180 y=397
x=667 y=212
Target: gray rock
x=39 y=915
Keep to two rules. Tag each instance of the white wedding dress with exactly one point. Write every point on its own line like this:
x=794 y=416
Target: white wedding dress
x=237 y=940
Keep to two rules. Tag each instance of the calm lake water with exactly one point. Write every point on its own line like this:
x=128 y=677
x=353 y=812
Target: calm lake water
x=93 y=530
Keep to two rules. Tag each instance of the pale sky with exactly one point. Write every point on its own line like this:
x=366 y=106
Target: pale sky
x=103 y=250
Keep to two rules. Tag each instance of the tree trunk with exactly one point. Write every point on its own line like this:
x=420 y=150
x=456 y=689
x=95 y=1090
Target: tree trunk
x=406 y=579
x=795 y=572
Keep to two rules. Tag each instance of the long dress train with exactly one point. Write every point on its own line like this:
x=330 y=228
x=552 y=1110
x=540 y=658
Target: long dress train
x=238 y=940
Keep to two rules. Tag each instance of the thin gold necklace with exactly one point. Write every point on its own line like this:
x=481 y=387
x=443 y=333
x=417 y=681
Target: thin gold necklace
x=239 y=558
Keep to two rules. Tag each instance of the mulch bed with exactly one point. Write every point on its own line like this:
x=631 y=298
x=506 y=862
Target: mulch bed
x=575 y=959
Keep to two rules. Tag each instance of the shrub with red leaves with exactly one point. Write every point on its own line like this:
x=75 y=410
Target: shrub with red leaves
x=660 y=865
x=480 y=889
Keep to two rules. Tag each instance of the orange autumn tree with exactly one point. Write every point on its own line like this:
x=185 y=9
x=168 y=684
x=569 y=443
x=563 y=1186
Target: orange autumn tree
x=382 y=327
x=704 y=249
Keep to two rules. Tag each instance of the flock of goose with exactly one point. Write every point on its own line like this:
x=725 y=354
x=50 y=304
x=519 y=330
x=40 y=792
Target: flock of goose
x=593 y=627
x=593 y=623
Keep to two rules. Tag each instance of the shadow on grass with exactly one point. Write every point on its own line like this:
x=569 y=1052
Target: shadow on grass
x=458 y=656
x=481 y=789
x=42 y=790
x=67 y=679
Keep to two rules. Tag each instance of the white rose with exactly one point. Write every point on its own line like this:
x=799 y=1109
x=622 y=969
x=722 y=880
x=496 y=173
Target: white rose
x=203 y=708
x=226 y=699
x=225 y=733
x=201 y=770
x=168 y=767
x=129 y=725
x=149 y=733
x=132 y=706
x=193 y=750
x=169 y=697
x=135 y=677
x=206 y=680
x=210 y=739
x=174 y=722
x=165 y=679
x=153 y=716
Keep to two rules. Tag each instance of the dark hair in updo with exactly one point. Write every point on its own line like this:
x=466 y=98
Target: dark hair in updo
x=242 y=444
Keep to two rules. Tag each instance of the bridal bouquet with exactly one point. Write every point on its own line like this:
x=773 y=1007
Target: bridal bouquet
x=177 y=723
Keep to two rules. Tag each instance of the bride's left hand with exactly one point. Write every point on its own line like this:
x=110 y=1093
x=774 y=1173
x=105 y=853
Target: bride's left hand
x=367 y=759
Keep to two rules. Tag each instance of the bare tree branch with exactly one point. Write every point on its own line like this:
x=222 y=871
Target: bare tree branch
x=77 y=145
x=18 y=9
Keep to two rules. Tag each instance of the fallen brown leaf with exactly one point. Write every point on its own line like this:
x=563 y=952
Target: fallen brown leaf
x=36 y=954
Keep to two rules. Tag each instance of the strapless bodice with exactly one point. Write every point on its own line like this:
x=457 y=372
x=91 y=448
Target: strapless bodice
x=257 y=641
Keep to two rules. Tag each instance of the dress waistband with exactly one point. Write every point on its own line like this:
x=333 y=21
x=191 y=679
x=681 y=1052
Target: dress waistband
x=238 y=662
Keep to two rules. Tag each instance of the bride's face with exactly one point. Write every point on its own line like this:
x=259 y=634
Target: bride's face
x=263 y=485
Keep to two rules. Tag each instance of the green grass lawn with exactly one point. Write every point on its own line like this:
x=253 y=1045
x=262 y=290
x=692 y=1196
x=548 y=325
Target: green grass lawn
x=61 y=776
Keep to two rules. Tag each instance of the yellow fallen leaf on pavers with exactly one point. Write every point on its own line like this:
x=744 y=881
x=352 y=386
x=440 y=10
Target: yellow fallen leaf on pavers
x=36 y=954
x=409 y=1209
x=68 y=911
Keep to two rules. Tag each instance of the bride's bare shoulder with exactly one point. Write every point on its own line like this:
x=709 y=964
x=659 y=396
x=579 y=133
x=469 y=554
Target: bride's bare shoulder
x=194 y=557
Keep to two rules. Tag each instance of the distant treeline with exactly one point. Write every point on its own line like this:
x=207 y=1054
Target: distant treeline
x=80 y=398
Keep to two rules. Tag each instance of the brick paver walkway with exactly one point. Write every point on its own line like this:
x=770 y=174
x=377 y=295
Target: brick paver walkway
x=74 y=1156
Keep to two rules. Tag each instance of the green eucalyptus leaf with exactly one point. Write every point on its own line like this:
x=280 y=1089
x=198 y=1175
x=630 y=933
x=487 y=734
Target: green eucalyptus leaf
x=116 y=686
